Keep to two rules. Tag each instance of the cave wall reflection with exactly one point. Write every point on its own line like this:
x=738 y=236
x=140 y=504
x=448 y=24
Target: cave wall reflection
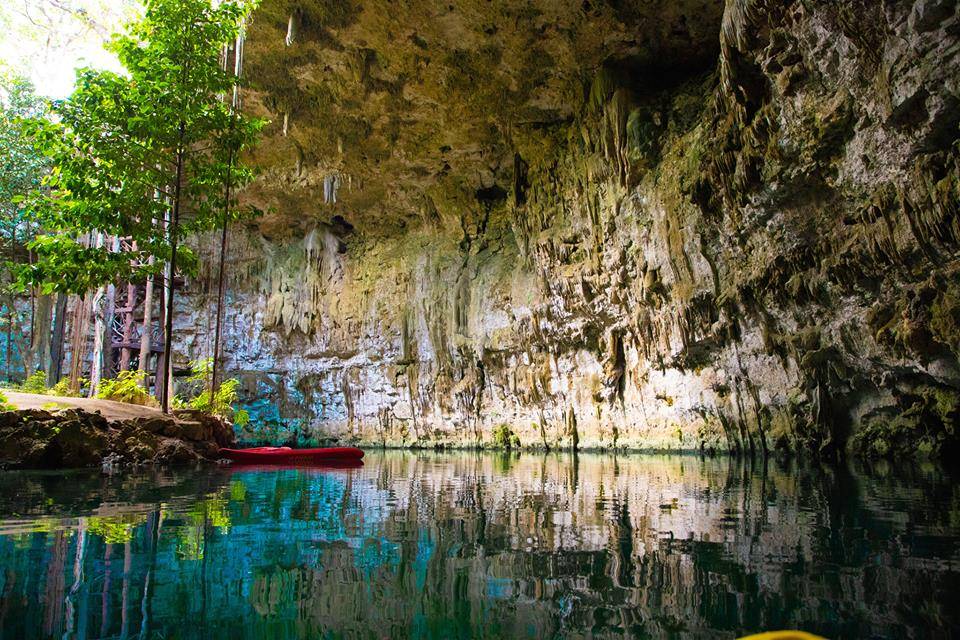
x=483 y=545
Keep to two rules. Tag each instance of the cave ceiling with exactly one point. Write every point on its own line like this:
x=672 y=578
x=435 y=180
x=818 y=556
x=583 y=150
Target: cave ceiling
x=417 y=107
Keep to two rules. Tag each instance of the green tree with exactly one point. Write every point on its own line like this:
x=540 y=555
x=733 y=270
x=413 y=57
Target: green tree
x=22 y=168
x=143 y=156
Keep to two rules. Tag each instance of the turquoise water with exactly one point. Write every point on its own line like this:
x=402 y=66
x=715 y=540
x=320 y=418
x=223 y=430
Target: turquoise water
x=482 y=545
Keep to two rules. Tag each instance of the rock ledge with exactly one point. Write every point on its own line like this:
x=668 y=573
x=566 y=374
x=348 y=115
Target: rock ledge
x=74 y=438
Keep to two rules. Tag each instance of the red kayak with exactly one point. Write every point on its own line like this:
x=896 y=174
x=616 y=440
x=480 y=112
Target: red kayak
x=286 y=455
x=320 y=467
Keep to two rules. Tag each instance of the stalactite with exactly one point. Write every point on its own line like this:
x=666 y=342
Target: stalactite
x=296 y=282
x=292 y=29
x=331 y=184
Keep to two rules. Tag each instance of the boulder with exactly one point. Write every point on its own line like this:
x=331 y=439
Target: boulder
x=175 y=452
x=155 y=424
x=221 y=431
x=75 y=444
x=195 y=431
x=209 y=450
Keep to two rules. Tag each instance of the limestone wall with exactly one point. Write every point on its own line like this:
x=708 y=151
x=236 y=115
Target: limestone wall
x=724 y=229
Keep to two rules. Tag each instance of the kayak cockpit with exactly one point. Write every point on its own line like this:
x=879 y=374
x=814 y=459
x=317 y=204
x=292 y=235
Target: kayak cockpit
x=288 y=455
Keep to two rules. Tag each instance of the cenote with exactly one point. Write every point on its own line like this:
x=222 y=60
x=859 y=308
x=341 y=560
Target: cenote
x=507 y=249
x=474 y=545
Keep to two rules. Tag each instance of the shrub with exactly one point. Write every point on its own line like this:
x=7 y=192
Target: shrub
x=36 y=383
x=126 y=387
x=241 y=417
x=62 y=388
x=221 y=404
x=5 y=404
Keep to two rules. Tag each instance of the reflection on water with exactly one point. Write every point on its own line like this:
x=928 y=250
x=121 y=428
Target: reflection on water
x=482 y=545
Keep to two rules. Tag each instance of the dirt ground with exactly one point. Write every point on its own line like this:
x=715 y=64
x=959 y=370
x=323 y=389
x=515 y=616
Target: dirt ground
x=111 y=410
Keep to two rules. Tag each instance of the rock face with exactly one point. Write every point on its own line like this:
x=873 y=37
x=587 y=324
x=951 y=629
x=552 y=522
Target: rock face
x=73 y=438
x=659 y=225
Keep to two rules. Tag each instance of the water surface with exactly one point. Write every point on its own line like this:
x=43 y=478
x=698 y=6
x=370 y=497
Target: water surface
x=482 y=545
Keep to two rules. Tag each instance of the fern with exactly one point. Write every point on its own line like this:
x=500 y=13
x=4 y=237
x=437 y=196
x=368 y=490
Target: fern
x=241 y=417
x=126 y=387
x=200 y=370
x=222 y=402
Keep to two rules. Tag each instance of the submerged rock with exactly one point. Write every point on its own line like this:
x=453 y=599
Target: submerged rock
x=74 y=438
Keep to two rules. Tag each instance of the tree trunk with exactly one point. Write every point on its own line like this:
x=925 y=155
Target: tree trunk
x=173 y=231
x=103 y=331
x=28 y=360
x=56 y=346
x=106 y=346
x=96 y=366
x=215 y=373
x=40 y=335
x=126 y=351
x=146 y=333
x=10 y=311
x=10 y=340
x=78 y=340
x=158 y=377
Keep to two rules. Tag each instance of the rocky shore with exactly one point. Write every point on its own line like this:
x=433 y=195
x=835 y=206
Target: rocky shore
x=74 y=438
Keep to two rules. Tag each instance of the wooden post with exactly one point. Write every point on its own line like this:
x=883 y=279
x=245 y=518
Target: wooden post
x=125 y=351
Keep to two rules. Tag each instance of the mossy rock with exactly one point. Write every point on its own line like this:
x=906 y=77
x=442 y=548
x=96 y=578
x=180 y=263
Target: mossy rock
x=505 y=438
x=923 y=424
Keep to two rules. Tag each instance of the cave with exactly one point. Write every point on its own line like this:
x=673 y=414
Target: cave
x=712 y=175
x=480 y=319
